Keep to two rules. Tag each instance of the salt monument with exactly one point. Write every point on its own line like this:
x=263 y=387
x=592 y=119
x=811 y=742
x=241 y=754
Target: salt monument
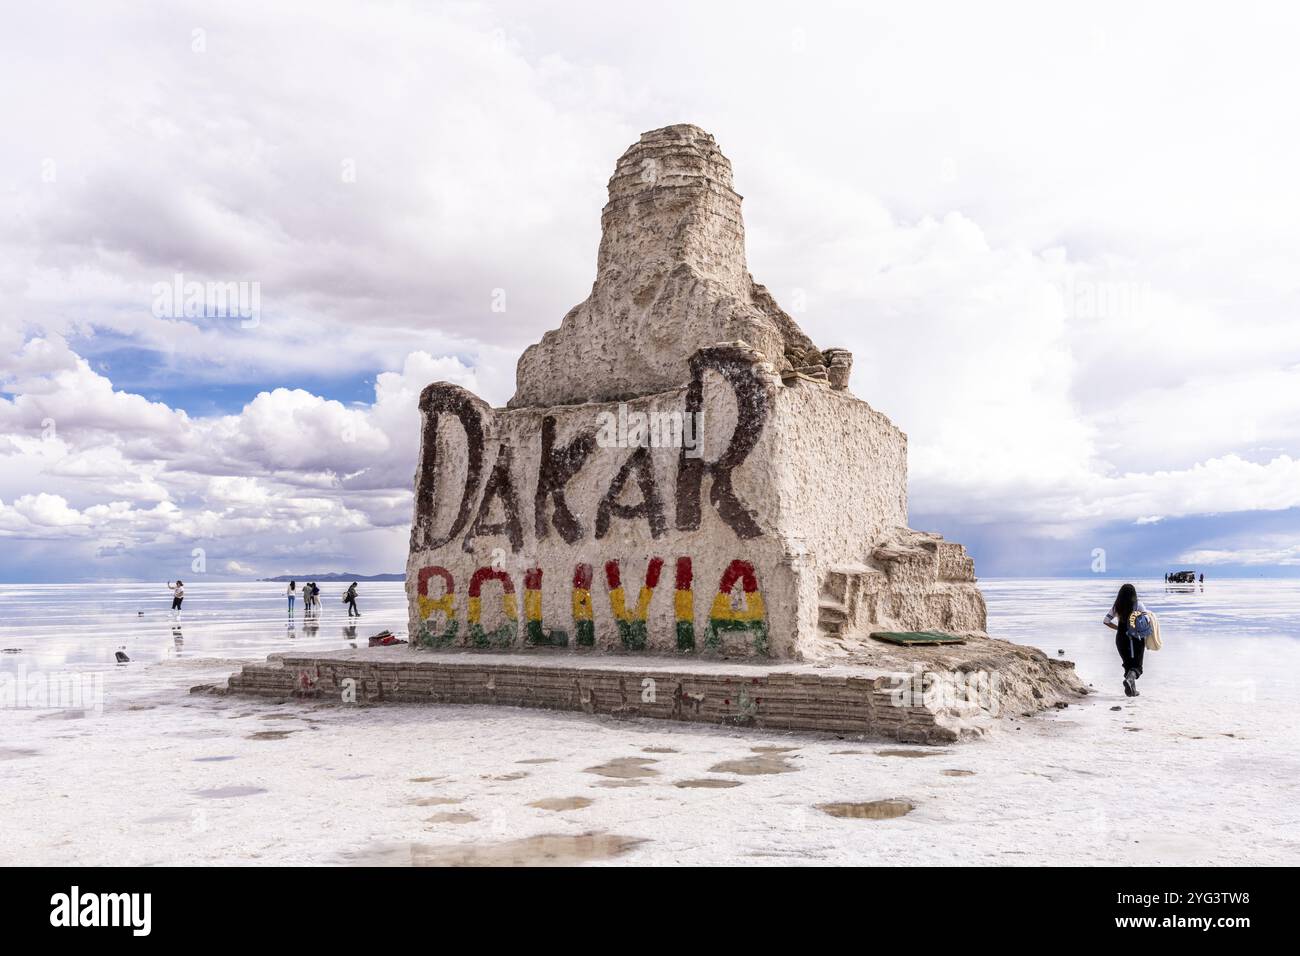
x=682 y=513
x=681 y=469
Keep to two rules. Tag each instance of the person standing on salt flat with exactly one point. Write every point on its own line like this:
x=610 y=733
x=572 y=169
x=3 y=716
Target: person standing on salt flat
x=291 y=592
x=178 y=595
x=351 y=598
x=1129 y=644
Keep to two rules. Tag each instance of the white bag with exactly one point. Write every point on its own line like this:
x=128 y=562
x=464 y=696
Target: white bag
x=1153 y=639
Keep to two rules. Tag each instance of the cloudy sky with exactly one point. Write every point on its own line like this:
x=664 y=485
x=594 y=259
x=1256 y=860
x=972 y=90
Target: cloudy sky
x=1062 y=247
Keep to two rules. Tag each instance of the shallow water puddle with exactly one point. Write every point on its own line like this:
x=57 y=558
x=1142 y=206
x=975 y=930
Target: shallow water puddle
x=215 y=759
x=658 y=750
x=517 y=775
x=540 y=760
x=707 y=783
x=841 y=753
x=625 y=768
x=219 y=793
x=452 y=817
x=611 y=784
x=958 y=773
x=426 y=779
x=562 y=803
x=910 y=753
x=755 y=766
x=772 y=749
x=166 y=818
x=271 y=734
x=434 y=801
x=871 y=810
x=17 y=753
x=544 y=850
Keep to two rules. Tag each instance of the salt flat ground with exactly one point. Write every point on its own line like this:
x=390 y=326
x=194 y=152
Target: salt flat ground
x=1199 y=770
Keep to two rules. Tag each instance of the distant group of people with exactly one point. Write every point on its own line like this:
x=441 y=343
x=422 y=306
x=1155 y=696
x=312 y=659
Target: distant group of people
x=311 y=598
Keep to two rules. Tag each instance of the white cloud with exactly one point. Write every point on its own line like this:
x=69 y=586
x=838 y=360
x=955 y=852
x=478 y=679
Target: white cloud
x=286 y=478
x=47 y=511
x=1078 y=305
x=55 y=390
x=1282 y=556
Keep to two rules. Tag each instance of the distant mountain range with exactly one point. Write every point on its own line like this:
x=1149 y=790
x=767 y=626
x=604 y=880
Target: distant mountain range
x=336 y=576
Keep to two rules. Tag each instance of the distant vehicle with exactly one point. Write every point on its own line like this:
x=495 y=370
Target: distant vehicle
x=1180 y=577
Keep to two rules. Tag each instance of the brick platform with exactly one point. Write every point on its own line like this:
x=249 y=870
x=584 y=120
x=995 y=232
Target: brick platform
x=791 y=696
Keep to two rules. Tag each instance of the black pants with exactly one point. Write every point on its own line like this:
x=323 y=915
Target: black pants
x=1130 y=652
x=352 y=608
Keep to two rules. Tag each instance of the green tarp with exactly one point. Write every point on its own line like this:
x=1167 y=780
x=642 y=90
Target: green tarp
x=917 y=637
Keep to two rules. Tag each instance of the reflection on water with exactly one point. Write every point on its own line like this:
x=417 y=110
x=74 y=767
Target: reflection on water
x=1239 y=635
x=77 y=624
x=58 y=632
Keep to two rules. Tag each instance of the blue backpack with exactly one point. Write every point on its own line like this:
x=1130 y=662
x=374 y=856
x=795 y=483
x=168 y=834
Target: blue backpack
x=1142 y=625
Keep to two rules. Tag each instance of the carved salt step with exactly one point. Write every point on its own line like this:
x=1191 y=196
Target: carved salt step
x=832 y=617
x=954 y=563
x=907 y=566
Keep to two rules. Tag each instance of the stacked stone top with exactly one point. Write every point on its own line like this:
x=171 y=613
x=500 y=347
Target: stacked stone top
x=671 y=278
x=671 y=203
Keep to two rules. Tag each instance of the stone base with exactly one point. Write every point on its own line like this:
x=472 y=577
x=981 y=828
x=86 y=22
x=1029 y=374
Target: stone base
x=931 y=698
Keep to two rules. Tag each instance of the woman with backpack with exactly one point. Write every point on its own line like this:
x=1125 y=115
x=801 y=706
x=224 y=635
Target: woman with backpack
x=350 y=596
x=1130 y=644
